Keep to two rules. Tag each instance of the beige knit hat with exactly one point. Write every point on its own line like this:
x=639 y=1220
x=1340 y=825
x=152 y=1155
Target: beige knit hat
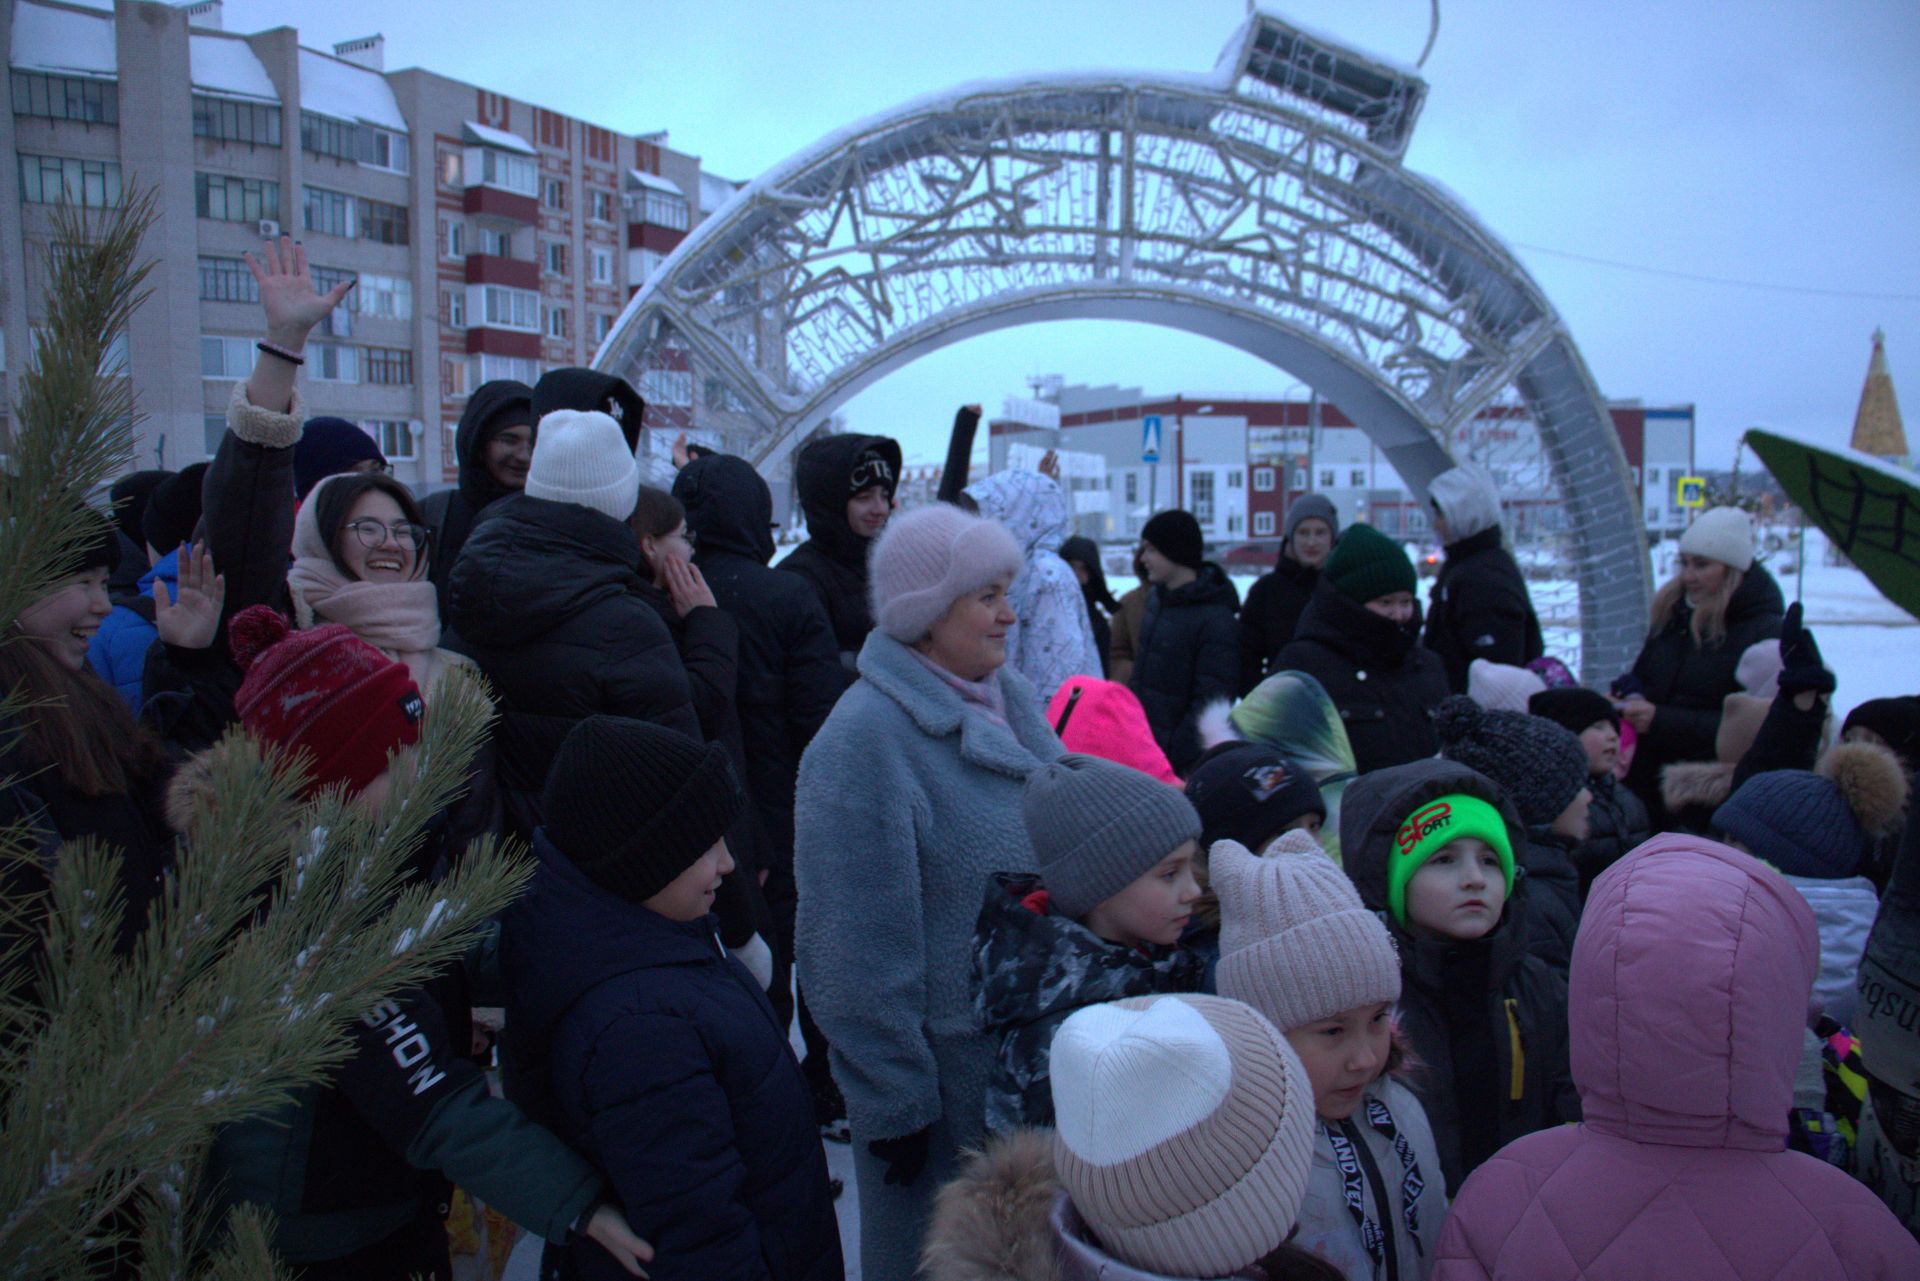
x=1184 y=1131
x=1295 y=941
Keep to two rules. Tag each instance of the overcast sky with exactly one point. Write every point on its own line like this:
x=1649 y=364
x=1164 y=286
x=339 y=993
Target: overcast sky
x=1774 y=143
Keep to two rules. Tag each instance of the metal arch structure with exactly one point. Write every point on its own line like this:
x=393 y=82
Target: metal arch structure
x=1263 y=204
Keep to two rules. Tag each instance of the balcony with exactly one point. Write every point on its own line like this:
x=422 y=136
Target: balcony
x=507 y=206
x=491 y=269
x=502 y=342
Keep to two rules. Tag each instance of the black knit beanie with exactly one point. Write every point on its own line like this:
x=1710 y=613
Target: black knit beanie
x=1175 y=534
x=1576 y=709
x=1896 y=720
x=1248 y=793
x=173 y=510
x=129 y=499
x=1538 y=764
x=101 y=548
x=634 y=804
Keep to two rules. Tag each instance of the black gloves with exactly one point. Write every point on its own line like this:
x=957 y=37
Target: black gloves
x=905 y=1156
x=1801 y=670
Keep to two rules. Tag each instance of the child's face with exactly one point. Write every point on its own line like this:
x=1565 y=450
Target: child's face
x=1602 y=742
x=1459 y=892
x=1308 y=823
x=1572 y=822
x=689 y=896
x=1343 y=1055
x=1155 y=908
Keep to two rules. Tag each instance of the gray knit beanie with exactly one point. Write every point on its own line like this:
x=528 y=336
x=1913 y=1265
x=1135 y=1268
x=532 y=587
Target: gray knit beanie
x=1539 y=765
x=930 y=557
x=1311 y=507
x=1184 y=1131
x=1296 y=943
x=1096 y=827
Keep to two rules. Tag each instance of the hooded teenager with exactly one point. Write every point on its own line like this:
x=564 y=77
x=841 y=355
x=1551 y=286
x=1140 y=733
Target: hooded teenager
x=1187 y=655
x=1480 y=607
x=1083 y=558
x=846 y=486
x=1054 y=637
x=493 y=446
x=1688 y=1008
x=1275 y=602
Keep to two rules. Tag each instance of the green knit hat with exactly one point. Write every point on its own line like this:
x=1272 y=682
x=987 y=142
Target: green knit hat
x=1440 y=821
x=1367 y=564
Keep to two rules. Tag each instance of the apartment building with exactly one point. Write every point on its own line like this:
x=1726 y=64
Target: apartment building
x=490 y=237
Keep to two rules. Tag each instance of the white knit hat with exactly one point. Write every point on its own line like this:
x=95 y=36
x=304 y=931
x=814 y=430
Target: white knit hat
x=929 y=558
x=1502 y=687
x=1184 y=1131
x=1724 y=534
x=1296 y=943
x=580 y=457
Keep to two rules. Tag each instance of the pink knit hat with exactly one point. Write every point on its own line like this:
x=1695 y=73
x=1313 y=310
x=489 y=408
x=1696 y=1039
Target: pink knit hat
x=1107 y=720
x=1184 y=1131
x=1295 y=941
x=929 y=558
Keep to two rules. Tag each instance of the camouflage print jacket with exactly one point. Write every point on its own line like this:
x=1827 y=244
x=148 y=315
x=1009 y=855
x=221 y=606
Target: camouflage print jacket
x=1031 y=969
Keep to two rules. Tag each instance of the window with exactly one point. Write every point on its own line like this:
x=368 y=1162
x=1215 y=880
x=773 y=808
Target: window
x=602 y=206
x=496 y=242
x=487 y=369
x=1133 y=487
x=325 y=136
x=667 y=387
x=330 y=362
x=387 y=366
x=226 y=357
x=663 y=209
x=453 y=379
x=383 y=222
x=454 y=308
x=557 y=322
x=383 y=149
x=456 y=240
x=602 y=326
x=1263 y=480
x=1326 y=478
x=1357 y=477
x=503 y=308
x=556 y=257
x=49 y=180
x=113 y=361
x=228 y=280
x=394 y=436
x=235 y=121
x=1262 y=524
x=602 y=263
x=386 y=297
x=450 y=167
x=642 y=263
x=226 y=198
x=1200 y=496
x=215 y=426
x=325 y=278
x=327 y=212
x=1236 y=479
x=486 y=167
x=94 y=102
x=553 y=193
x=1233 y=522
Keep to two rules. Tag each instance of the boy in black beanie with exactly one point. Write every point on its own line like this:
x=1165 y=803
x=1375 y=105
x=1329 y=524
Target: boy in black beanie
x=635 y=1035
x=1616 y=820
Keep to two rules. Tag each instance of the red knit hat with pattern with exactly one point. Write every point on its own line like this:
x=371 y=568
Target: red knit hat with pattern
x=325 y=692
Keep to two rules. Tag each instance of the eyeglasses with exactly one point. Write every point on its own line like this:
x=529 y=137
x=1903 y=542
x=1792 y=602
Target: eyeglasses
x=373 y=533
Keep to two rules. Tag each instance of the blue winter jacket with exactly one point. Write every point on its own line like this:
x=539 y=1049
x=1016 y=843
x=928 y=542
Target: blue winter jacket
x=119 y=649
x=653 y=1052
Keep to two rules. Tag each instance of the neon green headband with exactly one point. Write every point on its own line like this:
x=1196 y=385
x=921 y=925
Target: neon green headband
x=1440 y=821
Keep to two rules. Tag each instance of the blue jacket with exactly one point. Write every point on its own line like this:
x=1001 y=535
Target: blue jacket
x=119 y=649
x=652 y=1051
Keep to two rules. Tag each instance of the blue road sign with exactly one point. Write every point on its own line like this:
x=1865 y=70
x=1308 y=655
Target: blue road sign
x=1150 y=438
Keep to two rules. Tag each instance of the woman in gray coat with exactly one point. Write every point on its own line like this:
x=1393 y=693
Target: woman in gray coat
x=908 y=800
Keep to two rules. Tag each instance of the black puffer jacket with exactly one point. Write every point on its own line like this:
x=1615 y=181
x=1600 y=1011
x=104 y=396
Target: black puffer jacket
x=1383 y=682
x=451 y=512
x=1481 y=609
x=1616 y=823
x=789 y=667
x=834 y=558
x=546 y=598
x=1187 y=657
x=1554 y=897
x=1688 y=684
x=1466 y=1007
x=1271 y=617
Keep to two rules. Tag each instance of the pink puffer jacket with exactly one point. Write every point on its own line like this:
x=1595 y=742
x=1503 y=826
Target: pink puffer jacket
x=1691 y=975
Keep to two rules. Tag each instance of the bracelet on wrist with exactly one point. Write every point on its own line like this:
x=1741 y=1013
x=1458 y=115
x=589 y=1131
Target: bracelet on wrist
x=274 y=349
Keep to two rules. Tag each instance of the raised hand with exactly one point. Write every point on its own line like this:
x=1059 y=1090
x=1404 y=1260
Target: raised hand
x=686 y=587
x=1050 y=466
x=191 y=620
x=287 y=295
x=680 y=455
x=1801 y=668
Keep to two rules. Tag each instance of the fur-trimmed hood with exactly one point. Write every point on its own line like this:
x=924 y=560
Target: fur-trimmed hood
x=991 y=1222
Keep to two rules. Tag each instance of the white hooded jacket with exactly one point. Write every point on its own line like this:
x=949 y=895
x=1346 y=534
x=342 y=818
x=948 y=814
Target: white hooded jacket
x=1053 y=638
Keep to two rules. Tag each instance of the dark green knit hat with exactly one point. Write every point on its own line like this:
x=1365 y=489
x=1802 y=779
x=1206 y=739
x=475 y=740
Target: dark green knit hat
x=1366 y=564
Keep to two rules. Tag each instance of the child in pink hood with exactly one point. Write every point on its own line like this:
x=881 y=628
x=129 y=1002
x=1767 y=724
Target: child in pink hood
x=1691 y=975
x=1105 y=719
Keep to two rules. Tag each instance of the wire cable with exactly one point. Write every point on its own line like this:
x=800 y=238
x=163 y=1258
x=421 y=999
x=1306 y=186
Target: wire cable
x=1815 y=291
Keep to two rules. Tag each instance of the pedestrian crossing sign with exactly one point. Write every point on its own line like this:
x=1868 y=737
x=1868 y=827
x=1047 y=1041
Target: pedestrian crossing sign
x=1690 y=491
x=1150 y=438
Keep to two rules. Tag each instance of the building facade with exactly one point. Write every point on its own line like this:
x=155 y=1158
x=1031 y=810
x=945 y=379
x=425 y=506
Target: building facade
x=490 y=237
x=1236 y=461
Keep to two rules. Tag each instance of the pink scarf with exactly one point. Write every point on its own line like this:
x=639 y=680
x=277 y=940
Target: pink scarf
x=983 y=697
x=401 y=620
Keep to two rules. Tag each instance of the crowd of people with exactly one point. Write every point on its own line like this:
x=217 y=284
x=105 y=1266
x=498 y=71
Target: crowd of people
x=1157 y=936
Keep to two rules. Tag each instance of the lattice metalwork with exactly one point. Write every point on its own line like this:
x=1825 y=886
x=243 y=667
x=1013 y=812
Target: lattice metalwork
x=1263 y=204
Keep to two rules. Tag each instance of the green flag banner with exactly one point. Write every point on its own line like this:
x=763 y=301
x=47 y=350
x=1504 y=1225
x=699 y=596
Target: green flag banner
x=1868 y=507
